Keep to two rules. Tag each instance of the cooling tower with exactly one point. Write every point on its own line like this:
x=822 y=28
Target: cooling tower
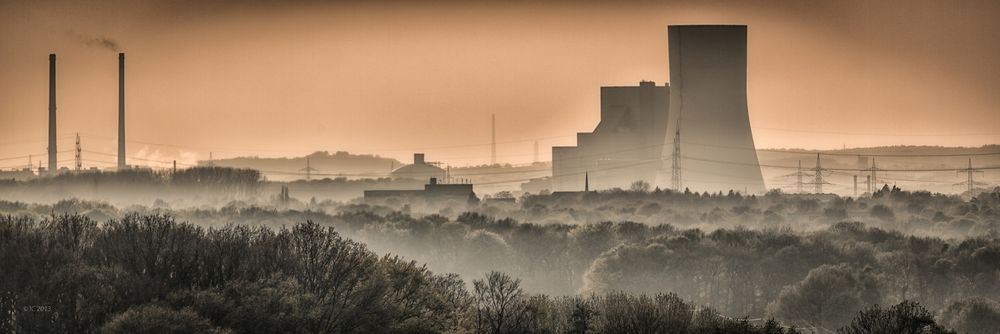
x=52 y=114
x=708 y=101
x=121 y=111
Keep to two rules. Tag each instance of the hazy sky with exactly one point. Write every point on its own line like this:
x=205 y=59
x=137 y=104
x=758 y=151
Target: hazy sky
x=291 y=77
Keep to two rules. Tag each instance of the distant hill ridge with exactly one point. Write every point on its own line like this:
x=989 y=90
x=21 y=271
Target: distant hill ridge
x=899 y=149
x=321 y=161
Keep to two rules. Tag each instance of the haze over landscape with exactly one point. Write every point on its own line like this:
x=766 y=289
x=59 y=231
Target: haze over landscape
x=258 y=78
x=307 y=166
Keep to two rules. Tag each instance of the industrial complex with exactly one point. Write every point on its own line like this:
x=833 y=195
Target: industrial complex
x=52 y=148
x=689 y=134
x=692 y=133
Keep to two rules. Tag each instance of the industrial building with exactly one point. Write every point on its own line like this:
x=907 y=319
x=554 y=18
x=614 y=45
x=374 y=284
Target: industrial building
x=419 y=170
x=433 y=191
x=691 y=133
x=22 y=174
x=626 y=145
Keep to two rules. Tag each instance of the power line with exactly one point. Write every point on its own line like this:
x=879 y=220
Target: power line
x=45 y=139
x=21 y=156
x=79 y=151
x=883 y=155
x=818 y=175
x=675 y=163
x=682 y=157
x=231 y=149
x=527 y=179
x=676 y=159
x=879 y=133
x=831 y=169
x=707 y=145
x=970 y=172
x=308 y=170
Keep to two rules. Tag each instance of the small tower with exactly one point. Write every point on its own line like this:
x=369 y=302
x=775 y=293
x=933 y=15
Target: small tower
x=79 y=154
x=308 y=170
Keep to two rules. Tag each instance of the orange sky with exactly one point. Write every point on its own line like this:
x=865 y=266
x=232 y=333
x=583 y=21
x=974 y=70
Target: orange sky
x=390 y=78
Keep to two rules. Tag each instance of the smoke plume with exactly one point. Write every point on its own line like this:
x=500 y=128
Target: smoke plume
x=96 y=41
x=103 y=42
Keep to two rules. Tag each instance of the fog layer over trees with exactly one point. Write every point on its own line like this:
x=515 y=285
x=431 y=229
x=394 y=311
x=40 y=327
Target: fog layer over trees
x=635 y=260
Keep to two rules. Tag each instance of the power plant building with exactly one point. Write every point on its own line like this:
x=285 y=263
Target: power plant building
x=626 y=145
x=419 y=170
x=691 y=133
x=433 y=191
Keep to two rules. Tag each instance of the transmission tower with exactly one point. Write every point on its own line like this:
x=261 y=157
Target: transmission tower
x=675 y=176
x=818 y=181
x=79 y=154
x=308 y=170
x=873 y=177
x=800 y=175
x=970 y=173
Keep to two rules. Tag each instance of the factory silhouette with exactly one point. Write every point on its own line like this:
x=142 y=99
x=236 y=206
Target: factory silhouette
x=53 y=148
x=691 y=133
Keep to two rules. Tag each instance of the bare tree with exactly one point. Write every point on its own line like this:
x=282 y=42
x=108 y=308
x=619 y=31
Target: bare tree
x=499 y=303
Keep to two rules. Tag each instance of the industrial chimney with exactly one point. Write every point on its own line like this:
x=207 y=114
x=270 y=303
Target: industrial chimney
x=121 y=111
x=52 y=113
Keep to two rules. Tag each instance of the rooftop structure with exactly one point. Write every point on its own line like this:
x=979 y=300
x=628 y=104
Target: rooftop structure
x=419 y=170
x=624 y=147
x=432 y=191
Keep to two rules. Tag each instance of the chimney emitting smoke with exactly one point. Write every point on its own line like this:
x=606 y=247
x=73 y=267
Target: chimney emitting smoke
x=52 y=113
x=493 y=139
x=121 y=111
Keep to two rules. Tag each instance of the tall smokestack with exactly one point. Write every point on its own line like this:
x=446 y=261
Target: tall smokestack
x=121 y=110
x=52 y=113
x=493 y=139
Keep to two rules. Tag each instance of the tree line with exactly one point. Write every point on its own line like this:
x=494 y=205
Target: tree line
x=815 y=272
x=203 y=184
x=150 y=273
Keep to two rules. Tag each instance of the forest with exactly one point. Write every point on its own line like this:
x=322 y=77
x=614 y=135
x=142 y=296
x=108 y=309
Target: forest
x=150 y=273
x=623 y=260
x=753 y=272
